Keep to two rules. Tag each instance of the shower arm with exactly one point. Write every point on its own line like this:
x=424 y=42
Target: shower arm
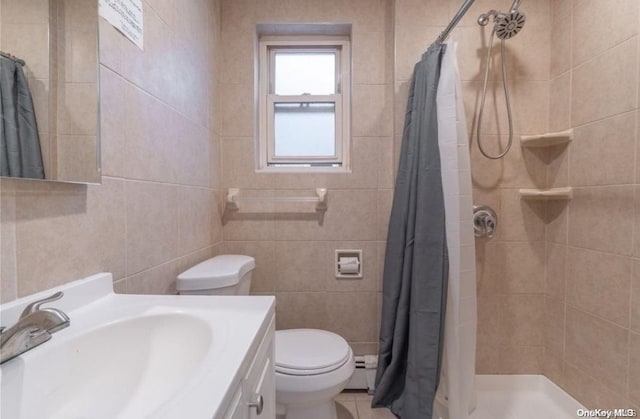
x=458 y=16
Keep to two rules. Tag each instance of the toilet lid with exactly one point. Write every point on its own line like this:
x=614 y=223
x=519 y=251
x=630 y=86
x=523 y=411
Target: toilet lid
x=310 y=351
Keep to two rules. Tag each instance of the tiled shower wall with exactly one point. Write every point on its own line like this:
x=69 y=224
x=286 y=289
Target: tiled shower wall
x=510 y=267
x=152 y=216
x=592 y=293
x=294 y=249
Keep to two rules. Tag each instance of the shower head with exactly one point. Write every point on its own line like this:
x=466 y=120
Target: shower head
x=508 y=25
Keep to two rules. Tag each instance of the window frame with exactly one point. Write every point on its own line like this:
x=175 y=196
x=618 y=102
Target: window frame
x=268 y=47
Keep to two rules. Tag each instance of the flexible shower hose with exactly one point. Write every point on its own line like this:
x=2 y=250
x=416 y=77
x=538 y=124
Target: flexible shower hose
x=484 y=95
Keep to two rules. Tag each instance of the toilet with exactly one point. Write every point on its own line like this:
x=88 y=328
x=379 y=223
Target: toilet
x=312 y=366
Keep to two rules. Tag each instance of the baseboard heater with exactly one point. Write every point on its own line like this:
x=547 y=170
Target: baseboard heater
x=364 y=376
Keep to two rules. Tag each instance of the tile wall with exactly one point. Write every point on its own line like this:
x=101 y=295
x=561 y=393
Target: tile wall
x=592 y=290
x=294 y=252
x=154 y=213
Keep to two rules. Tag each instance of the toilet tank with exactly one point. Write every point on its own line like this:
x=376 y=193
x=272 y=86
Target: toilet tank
x=221 y=275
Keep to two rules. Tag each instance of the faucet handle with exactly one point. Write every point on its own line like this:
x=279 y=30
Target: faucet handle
x=35 y=306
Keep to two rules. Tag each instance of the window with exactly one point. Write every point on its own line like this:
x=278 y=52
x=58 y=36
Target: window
x=304 y=102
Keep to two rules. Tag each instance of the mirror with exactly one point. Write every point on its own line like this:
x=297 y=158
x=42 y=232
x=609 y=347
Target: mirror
x=49 y=90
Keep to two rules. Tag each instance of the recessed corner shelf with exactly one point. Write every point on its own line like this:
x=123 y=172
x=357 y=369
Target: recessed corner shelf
x=547 y=140
x=547 y=194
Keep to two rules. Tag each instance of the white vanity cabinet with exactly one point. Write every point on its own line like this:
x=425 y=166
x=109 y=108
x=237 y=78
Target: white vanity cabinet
x=255 y=396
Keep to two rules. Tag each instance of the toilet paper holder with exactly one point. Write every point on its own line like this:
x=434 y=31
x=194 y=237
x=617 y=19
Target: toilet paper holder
x=348 y=263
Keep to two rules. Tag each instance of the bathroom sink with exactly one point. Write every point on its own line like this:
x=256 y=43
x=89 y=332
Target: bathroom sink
x=125 y=368
x=130 y=356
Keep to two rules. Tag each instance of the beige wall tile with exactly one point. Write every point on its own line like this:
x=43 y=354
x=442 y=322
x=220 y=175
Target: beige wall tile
x=111 y=47
x=612 y=87
x=556 y=264
x=164 y=9
x=348 y=217
x=556 y=230
x=155 y=68
x=488 y=334
x=594 y=277
x=77 y=158
x=554 y=327
x=522 y=320
x=558 y=166
x=349 y=314
x=25 y=11
x=560 y=9
x=51 y=242
x=302 y=266
x=521 y=359
x=422 y=12
x=635 y=297
x=370 y=57
x=78 y=110
x=561 y=33
x=529 y=53
x=553 y=368
x=8 y=261
x=157 y=280
x=602 y=219
x=385 y=203
x=371 y=110
x=295 y=310
x=489 y=266
x=238 y=63
x=590 y=390
x=601 y=24
x=602 y=153
x=523 y=220
x=597 y=346
x=112 y=122
x=148 y=126
x=634 y=368
x=191 y=151
x=637 y=221
x=265 y=276
x=30 y=42
x=523 y=270
x=195 y=224
x=560 y=102
x=239 y=165
x=386 y=163
x=255 y=222
x=152 y=212
x=237 y=114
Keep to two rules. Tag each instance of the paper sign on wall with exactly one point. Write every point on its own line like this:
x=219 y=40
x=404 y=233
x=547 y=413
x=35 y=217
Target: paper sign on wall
x=126 y=16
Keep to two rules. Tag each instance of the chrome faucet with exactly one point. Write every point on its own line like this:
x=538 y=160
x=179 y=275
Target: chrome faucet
x=34 y=328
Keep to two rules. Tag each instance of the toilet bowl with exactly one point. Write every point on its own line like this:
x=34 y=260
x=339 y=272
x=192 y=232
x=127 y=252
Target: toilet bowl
x=312 y=366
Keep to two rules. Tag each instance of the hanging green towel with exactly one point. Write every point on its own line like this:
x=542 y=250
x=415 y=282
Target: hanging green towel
x=20 y=152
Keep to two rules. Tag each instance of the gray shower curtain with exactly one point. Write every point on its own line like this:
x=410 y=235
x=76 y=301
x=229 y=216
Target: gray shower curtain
x=416 y=263
x=20 y=153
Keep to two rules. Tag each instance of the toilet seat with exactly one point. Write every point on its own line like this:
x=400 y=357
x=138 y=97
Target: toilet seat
x=304 y=352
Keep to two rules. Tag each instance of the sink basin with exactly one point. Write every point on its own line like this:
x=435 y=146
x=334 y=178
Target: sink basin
x=126 y=368
x=132 y=356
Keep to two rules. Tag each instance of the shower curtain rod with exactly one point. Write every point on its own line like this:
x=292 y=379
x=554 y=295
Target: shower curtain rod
x=463 y=9
x=12 y=57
